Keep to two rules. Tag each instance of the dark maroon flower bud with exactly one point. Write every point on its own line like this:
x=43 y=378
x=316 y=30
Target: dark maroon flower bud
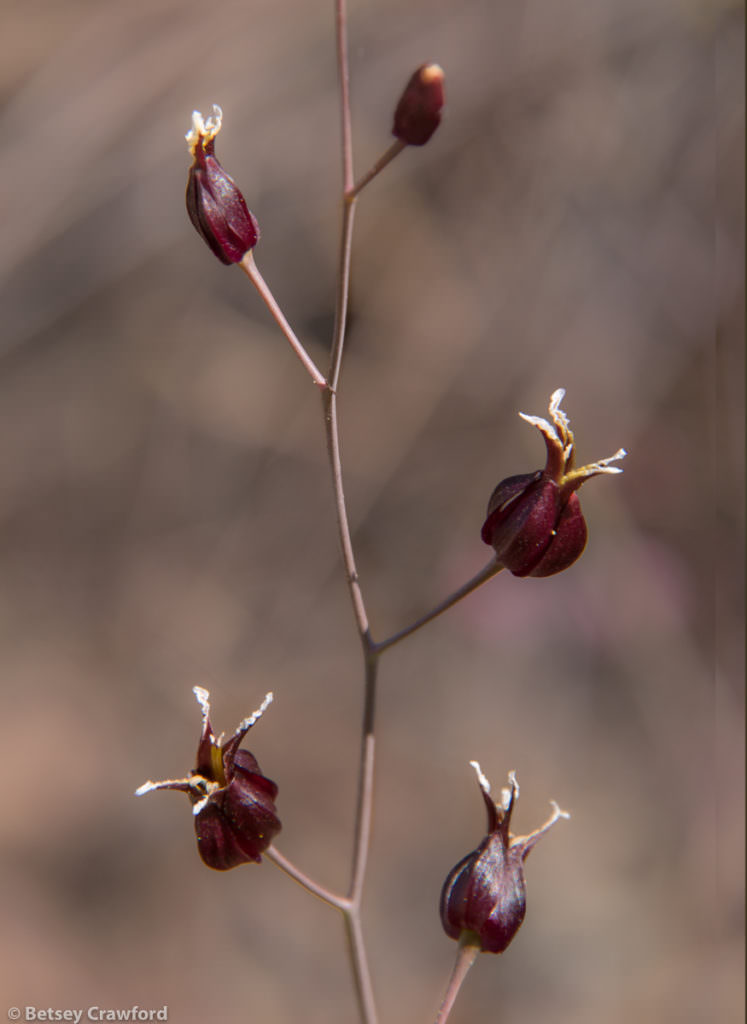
x=534 y=520
x=215 y=205
x=418 y=112
x=233 y=803
x=484 y=896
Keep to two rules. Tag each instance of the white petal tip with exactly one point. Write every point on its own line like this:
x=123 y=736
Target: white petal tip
x=204 y=127
x=203 y=699
x=557 y=813
x=247 y=723
x=481 y=778
x=510 y=792
x=603 y=466
x=196 y=808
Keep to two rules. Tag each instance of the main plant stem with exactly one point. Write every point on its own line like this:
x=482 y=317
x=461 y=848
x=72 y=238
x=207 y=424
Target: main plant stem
x=351 y=908
x=364 y=801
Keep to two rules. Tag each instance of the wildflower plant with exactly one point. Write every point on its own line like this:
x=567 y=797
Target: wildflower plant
x=533 y=524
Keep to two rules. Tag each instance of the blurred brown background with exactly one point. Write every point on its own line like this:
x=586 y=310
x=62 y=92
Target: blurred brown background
x=166 y=518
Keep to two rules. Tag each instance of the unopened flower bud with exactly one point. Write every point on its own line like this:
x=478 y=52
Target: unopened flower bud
x=215 y=205
x=418 y=112
x=534 y=520
x=233 y=803
x=485 y=894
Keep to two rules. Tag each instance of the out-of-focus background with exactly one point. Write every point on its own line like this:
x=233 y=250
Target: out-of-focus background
x=166 y=517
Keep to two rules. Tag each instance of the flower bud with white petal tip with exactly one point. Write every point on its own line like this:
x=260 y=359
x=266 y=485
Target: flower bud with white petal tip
x=534 y=520
x=233 y=803
x=215 y=204
x=484 y=895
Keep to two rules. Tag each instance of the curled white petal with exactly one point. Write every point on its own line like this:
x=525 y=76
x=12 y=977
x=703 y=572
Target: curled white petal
x=559 y=429
x=542 y=425
x=203 y=699
x=203 y=127
x=555 y=399
x=557 y=415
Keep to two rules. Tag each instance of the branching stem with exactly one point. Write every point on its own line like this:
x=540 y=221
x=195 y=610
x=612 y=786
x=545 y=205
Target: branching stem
x=394 y=150
x=350 y=904
x=491 y=569
x=324 y=894
x=251 y=270
x=364 y=803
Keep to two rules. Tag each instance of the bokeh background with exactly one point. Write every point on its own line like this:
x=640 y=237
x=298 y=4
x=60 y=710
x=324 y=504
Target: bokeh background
x=166 y=517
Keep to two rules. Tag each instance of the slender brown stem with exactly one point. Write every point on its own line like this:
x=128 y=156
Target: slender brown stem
x=364 y=815
x=350 y=909
x=251 y=270
x=481 y=577
x=348 y=209
x=361 y=971
x=341 y=26
x=343 y=527
x=364 y=804
x=343 y=290
x=394 y=150
x=362 y=840
x=466 y=956
x=324 y=894
x=386 y=158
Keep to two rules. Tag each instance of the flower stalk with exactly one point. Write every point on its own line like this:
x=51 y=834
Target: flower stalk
x=533 y=523
x=250 y=268
x=468 y=950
